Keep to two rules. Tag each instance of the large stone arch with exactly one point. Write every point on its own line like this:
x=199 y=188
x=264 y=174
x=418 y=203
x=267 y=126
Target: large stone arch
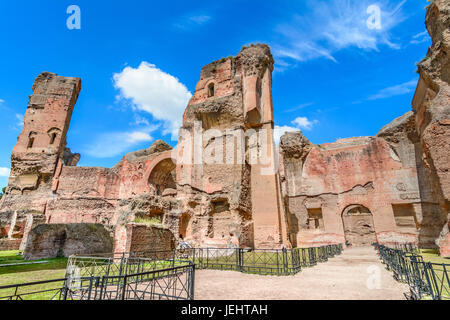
x=162 y=173
x=359 y=228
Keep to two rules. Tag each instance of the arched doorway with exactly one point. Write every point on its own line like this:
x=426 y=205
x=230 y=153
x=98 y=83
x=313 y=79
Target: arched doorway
x=185 y=226
x=358 y=226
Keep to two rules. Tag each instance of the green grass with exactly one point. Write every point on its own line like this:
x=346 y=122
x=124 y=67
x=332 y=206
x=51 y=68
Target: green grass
x=432 y=255
x=54 y=269
x=7 y=257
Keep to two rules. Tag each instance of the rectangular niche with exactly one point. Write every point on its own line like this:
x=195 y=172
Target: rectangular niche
x=315 y=219
x=405 y=217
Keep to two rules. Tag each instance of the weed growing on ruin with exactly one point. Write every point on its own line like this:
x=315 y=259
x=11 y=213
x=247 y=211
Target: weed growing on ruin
x=154 y=221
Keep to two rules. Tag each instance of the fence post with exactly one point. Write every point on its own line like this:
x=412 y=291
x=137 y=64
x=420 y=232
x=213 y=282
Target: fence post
x=192 y=282
x=241 y=259
x=90 y=287
x=436 y=296
x=173 y=260
x=102 y=287
x=109 y=266
x=121 y=264
x=285 y=261
x=65 y=289
x=124 y=288
x=238 y=258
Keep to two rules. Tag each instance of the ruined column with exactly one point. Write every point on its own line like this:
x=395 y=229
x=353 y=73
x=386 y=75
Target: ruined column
x=40 y=148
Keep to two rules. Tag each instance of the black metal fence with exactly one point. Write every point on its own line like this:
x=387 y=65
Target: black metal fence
x=112 y=278
x=280 y=262
x=426 y=280
x=39 y=290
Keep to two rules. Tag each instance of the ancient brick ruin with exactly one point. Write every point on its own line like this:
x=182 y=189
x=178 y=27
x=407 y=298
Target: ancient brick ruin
x=227 y=185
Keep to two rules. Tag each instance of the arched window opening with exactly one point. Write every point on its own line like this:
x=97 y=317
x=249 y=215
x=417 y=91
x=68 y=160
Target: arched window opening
x=355 y=210
x=185 y=226
x=163 y=176
x=211 y=90
x=53 y=134
x=31 y=137
x=30 y=143
x=53 y=137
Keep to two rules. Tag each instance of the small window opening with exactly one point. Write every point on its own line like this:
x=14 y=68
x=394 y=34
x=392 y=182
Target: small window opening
x=315 y=219
x=30 y=142
x=53 y=138
x=211 y=90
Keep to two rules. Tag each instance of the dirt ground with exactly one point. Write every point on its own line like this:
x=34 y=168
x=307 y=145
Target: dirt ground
x=344 y=277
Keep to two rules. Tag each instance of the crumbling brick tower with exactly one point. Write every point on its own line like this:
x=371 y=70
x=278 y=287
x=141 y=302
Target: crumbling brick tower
x=432 y=112
x=226 y=170
x=40 y=150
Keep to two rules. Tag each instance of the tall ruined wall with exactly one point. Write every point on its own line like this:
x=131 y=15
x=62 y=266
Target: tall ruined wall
x=84 y=195
x=400 y=174
x=324 y=183
x=221 y=187
x=431 y=106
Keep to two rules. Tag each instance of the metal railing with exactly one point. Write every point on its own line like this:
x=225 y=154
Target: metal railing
x=426 y=280
x=101 y=278
x=280 y=262
x=173 y=283
x=39 y=290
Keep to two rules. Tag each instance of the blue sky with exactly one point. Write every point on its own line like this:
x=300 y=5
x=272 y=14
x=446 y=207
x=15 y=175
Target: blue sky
x=336 y=74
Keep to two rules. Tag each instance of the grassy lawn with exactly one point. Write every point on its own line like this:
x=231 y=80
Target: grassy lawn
x=432 y=255
x=54 y=269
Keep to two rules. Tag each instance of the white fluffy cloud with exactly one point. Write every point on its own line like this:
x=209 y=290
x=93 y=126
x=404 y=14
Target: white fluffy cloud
x=111 y=144
x=154 y=91
x=4 y=172
x=1 y=101
x=334 y=25
x=304 y=123
x=299 y=123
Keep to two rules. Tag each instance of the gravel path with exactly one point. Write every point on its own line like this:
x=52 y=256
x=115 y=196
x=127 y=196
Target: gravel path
x=344 y=277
